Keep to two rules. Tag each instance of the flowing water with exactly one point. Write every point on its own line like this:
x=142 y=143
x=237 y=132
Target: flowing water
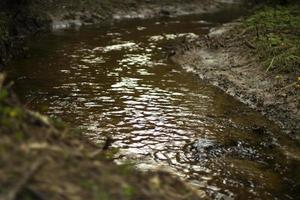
x=116 y=80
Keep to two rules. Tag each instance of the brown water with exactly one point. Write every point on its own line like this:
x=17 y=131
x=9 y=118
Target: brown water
x=116 y=81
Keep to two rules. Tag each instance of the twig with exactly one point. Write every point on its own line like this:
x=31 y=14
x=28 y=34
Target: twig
x=173 y=195
x=9 y=85
x=243 y=32
x=24 y=180
x=95 y=153
x=257 y=32
x=56 y=149
x=42 y=146
x=29 y=102
x=288 y=86
x=108 y=142
x=271 y=64
x=248 y=44
x=2 y=77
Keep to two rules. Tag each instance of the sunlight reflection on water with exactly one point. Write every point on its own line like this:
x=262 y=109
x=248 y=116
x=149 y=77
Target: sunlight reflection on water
x=118 y=83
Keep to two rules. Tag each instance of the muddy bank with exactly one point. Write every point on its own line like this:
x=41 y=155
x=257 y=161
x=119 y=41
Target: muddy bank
x=230 y=59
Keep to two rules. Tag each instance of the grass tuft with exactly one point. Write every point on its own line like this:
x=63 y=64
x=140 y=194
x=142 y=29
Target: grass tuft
x=276 y=35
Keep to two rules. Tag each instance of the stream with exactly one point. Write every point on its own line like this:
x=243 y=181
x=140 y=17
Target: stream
x=117 y=81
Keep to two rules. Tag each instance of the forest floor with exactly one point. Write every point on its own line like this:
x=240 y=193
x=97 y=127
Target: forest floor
x=255 y=59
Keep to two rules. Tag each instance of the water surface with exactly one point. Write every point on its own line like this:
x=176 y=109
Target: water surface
x=117 y=81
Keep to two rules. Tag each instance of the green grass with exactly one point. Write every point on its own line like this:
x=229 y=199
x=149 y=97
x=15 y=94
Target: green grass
x=276 y=35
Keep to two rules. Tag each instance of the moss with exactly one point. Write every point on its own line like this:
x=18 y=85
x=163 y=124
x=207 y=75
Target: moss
x=110 y=154
x=128 y=191
x=276 y=37
x=96 y=189
x=58 y=123
x=88 y=184
x=3 y=95
x=102 y=195
x=11 y=116
x=7 y=111
x=126 y=167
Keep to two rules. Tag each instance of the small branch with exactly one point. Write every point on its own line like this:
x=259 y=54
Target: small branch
x=173 y=194
x=2 y=77
x=257 y=32
x=288 y=86
x=243 y=32
x=108 y=142
x=95 y=153
x=248 y=44
x=29 y=102
x=271 y=64
x=12 y=195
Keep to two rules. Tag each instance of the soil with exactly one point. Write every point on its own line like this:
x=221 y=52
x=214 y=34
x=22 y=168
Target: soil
x=226 y=59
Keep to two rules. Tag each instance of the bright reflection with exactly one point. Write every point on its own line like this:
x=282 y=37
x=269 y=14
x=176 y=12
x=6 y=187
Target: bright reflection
x=119 y=84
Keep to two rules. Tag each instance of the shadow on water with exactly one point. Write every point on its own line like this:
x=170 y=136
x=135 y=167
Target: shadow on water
x=116 y=81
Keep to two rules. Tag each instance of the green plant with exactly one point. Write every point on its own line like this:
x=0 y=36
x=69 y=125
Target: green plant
x=277 y=37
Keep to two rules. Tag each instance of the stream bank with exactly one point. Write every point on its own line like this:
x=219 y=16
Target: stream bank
x=255 y=61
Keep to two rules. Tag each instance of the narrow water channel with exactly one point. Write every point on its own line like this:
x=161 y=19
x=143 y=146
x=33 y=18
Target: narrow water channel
x=116 y=80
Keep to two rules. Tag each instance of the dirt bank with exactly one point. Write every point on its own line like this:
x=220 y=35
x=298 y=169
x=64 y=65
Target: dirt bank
x=258 y=64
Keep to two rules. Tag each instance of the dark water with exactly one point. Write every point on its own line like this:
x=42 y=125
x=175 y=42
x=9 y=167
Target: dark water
x=117 y=81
